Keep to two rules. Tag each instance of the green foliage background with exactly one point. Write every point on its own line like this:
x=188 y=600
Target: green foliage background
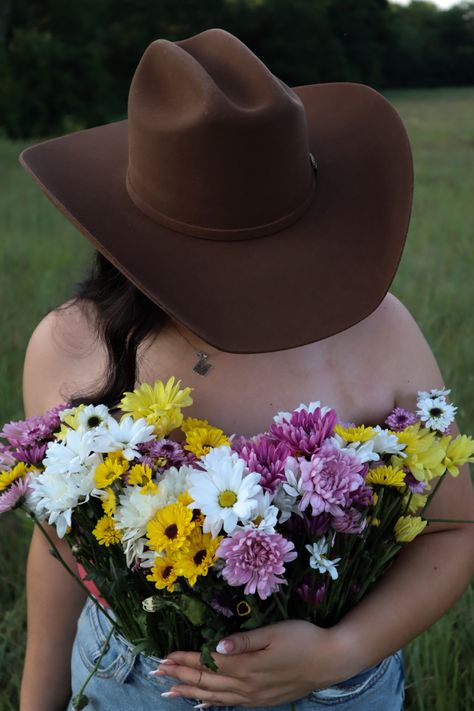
x=66 y=65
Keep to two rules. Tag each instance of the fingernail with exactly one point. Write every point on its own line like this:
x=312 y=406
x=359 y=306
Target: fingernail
x=225 y=646
x=201 y=706
x=169 y=694
x=166 y=661
x=155 y=672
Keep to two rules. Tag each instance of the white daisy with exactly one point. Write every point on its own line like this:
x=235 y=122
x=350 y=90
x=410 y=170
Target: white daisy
x=53 y=495
x=266 y=515
x=174 y=482
x=434 y=392
x=124 y=436
x=131 y=516
x=387 y=443
x=94 y=417
x=435 y=412
x=278 y=419
x=76 y=453
x=226 y=492
x=319 y=561
x=362 y=450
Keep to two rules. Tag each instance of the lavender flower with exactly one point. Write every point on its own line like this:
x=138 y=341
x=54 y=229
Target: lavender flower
x=255 y=559
x=328 y=480
x=305 y=432
x=400 y=418
x=7 y=460
x=264 y=456
x=31 y=455
x=221 y=609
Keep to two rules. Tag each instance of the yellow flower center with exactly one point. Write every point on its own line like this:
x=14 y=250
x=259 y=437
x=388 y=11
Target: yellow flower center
x=227 y=498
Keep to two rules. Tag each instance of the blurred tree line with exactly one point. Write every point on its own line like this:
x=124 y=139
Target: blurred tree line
x=67 y=65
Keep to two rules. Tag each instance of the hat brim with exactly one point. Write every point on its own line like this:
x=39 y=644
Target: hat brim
x=322 y=274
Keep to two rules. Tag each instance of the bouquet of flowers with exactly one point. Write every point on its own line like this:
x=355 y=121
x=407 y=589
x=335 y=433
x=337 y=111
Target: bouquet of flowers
x=191 y=534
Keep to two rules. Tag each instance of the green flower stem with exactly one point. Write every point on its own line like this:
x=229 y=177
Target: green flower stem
x=76 y=577
x=78 y=698
x=280 y=606
x=430 y=496
x=450 y=520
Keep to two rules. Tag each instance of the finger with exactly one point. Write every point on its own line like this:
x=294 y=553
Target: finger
x=202 y=679
x=243 y=642
x=213 y=698
x=187 y=659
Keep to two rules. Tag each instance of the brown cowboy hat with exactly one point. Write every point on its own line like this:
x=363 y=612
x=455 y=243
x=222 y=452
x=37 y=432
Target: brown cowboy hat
x=260 y=216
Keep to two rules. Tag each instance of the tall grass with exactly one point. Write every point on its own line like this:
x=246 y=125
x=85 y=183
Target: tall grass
x=41 y=253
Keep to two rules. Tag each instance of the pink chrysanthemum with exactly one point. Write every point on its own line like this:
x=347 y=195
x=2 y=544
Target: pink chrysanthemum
x=7 y=460
x=263 y=456
x=34 y=430
x=14 y=494
x=305 y=432
x=328 y=480
x=255 y=559
x=400 y=418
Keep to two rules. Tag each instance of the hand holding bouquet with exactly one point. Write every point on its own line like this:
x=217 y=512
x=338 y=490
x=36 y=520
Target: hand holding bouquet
x=191 y=535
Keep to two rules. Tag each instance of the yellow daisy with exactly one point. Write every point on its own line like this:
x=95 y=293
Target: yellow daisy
x=425 y=452
x=69 y=422
x=139 y=474
x=458 y=451
x=386 y=476
x=169 y=528
x=9 y=476
x=163 y=573
x=408 y=527
x=111 y=469
x=200 y=440
x=109 y=501
x=157 y=400
x=106 y=532
x=417 y=501
x=192 y=422
x=199 y=557
x=354 y=434
x=149 y=488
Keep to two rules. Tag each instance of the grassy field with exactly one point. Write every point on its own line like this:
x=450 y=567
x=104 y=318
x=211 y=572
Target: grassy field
x=41 y=254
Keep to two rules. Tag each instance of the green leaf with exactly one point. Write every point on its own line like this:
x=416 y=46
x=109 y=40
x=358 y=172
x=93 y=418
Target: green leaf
x=79 y=701
x=194 y=609
x=206 y=659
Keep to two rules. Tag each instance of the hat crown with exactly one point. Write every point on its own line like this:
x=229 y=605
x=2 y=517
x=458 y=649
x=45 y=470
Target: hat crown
x=217 y=144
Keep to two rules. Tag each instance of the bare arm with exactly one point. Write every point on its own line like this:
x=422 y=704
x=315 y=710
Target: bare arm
x=434 y=570
x=54 y=598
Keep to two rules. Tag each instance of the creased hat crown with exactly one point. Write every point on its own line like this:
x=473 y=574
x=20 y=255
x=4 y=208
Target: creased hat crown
x=218 y=146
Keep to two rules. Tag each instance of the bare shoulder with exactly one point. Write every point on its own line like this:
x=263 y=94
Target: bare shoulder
x=412 y=363
x=63 y=354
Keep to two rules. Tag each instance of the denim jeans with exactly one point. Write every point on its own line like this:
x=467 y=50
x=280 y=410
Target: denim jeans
x=121 y=681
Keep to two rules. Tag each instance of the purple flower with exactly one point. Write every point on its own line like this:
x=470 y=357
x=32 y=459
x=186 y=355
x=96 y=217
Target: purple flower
x=31 y=455
x=34 y=430
x=400 y=418
x=14 y=495
x=305 y=432
x=349 y=522
x=415 y=486
x=7 y=460
x=215 y=604
x=263 y=456
x=311 y=526
x=255 y=559
x=328 y=480
x=163 y=454
x=311 y=597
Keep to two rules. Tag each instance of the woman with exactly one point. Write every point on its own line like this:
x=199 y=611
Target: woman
x=230 y=243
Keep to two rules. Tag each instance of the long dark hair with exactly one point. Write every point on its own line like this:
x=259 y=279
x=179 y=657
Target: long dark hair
x=123 y=317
